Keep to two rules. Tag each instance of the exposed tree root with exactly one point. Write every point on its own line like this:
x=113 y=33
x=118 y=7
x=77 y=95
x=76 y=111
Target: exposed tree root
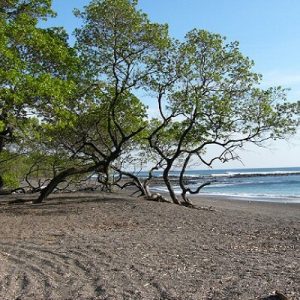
x=209 y=208
x=19 y=201
x=193 y=206
x=158 y=198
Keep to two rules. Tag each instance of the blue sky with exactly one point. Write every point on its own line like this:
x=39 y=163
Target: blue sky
x=268 y=32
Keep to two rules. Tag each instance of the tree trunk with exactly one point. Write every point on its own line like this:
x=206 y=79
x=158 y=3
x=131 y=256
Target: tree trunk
x=62 y=176
x=185 y=198
x=146 y=190
x=1 y=182
x=6 y=135
x=169 y=186
x=53 y=184
x=143 y=187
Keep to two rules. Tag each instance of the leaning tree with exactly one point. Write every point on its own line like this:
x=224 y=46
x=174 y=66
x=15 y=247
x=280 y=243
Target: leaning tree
x=116 y=46
x=212 y=105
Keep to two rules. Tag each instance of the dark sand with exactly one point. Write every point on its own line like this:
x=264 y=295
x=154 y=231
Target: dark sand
x=104 y=246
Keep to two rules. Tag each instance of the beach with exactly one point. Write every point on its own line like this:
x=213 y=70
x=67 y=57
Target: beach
x=113 y=246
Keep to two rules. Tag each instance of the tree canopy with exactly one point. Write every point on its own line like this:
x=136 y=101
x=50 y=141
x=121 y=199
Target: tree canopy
x=34 y=64
x=214 y=103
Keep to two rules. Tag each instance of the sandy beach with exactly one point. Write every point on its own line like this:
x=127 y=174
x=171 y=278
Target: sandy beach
x=112 y=246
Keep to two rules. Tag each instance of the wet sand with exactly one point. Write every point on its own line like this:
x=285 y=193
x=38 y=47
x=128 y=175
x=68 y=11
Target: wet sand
x=112 y=246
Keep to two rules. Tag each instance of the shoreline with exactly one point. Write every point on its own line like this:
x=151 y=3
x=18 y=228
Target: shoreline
x=157 y=186
x=255 y=198
x=269 y=208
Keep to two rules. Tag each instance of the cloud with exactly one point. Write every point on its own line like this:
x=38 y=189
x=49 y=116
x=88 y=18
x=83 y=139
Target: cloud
x=281 y=78
x=285 y=79
x=153 y=112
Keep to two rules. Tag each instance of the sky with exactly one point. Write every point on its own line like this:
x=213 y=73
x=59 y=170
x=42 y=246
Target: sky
x=268 y=33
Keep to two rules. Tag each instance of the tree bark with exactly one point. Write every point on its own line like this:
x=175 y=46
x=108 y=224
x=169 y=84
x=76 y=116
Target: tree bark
x=142 y=187
x=169 y=186
x=62 y=176
x=5 y=135
x=1 y=182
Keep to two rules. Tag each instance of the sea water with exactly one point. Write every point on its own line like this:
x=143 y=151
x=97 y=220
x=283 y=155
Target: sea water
x=268 y=184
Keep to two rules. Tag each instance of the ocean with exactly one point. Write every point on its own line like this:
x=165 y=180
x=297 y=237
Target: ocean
x=258 y=184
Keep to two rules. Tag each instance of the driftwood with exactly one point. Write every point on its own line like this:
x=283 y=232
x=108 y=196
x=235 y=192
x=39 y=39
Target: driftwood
x=157 y=197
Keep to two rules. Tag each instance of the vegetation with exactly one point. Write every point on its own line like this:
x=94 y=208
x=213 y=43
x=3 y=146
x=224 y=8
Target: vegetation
x=213 y=105
x=33 y=67
x=72 y=111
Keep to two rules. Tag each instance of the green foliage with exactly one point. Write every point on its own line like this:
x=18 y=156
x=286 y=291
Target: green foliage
x=11 y=180
x=213 y=99
x=35 y=64
x=12 y=169
x=118 y=41
x=216 y=98
x=102 y=115
x=63 y=107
